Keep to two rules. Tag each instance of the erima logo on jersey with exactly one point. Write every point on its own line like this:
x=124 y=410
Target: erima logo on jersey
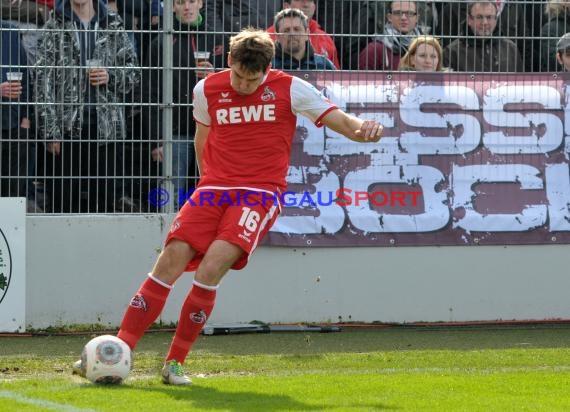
x=243 y=114
x=224 y=98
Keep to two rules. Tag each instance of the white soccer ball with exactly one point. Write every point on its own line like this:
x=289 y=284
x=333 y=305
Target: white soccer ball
x=106 y=359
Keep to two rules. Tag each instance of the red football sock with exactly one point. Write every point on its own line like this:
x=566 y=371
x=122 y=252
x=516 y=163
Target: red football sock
x=193 y=316
x=143 y=310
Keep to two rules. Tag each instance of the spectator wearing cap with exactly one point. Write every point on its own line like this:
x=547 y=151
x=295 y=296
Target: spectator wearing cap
x=320 y=40
x=558 y=14
x=563 y=52
x=293 y=50
x=482 y=49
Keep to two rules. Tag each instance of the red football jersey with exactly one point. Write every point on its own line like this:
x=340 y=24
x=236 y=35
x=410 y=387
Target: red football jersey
x=250 y=138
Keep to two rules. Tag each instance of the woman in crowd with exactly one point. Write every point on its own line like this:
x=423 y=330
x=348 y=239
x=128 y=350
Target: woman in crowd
x=424 y=55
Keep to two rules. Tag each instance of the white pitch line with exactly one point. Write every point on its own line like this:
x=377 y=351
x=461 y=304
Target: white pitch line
x=41 y=402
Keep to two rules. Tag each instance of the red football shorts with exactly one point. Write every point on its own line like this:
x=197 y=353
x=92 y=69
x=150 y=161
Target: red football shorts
x=239 y=216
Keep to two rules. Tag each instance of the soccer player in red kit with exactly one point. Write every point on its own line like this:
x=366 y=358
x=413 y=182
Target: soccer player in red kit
x=246 y=119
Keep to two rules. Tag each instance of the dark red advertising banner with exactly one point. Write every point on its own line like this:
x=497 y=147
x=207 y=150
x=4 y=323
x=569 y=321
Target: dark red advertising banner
x=465 y=159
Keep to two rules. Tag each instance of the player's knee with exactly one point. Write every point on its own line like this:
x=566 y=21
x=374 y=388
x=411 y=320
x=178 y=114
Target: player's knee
x=177 y=251
x=172 y=261
x=212 y=270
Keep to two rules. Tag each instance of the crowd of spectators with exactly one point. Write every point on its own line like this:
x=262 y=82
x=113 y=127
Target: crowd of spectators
x=84 y=126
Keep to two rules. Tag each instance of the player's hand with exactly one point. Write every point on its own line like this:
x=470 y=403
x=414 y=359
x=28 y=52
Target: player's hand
x=370 y=131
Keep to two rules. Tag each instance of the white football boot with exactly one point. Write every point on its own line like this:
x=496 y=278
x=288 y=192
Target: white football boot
x=173 y=374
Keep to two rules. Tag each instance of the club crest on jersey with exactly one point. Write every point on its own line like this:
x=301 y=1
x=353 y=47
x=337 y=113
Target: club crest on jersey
x=268 y=94
x=138 y=302
x=198 y=317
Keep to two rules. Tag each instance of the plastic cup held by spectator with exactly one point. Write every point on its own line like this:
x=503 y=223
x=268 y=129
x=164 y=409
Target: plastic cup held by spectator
x=93 y=64
x=201 y=56
x=14 y=76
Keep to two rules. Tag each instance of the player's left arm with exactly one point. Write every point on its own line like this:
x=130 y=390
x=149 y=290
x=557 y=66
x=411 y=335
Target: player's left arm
x=352 y=127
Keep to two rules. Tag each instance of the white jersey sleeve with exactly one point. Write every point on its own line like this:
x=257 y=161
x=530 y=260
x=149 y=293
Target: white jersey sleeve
x=200 y=104
x=308 y=101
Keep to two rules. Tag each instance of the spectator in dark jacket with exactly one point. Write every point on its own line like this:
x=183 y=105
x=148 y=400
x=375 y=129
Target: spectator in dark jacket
x=482 y=49
x=28 y=15
x=233 y=15
x=350 y=23
x=190 y=36
x=558 y=14
x=79 y=111
x=321 y=41
x=14 y=142
x=141 y=19
x=293 y=50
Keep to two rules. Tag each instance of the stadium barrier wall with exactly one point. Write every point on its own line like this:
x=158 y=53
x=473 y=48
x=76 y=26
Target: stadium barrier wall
x=84 y=270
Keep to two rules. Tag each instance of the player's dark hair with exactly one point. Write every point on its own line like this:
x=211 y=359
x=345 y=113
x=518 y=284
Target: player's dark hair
x=253 y=49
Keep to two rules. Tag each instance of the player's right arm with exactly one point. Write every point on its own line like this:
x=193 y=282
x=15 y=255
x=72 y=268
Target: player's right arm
x=200 y=137
x=202 y=118
x=307 y=100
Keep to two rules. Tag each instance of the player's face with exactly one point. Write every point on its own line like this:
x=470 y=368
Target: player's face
x=244 y=82
x=426 y=58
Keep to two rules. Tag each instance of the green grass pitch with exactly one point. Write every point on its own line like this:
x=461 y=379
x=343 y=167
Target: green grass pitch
x=485 y=368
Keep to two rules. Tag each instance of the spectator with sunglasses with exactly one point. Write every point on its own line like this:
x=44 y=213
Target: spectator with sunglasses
x=386 y=49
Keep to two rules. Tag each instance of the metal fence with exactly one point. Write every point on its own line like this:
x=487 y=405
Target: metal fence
x=101 y=120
